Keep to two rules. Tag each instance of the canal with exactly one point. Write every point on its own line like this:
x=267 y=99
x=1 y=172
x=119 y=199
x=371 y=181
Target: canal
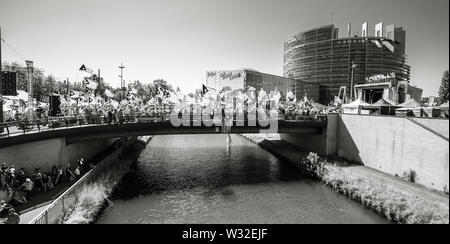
x=197 y=179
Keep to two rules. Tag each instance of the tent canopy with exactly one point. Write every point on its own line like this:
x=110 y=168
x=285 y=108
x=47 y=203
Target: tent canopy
x=382 y=102
x=355 y=104
x=444 y=106
x=411 y=103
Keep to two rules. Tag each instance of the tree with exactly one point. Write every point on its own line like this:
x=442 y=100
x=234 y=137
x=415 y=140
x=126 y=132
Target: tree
x=443 y=90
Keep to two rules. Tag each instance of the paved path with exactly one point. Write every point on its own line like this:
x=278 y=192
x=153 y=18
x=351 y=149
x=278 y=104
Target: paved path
x=27 y=217
x=292 y=153
x=410 y=187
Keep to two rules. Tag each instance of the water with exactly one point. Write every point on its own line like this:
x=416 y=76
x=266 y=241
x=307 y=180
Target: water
x=195 y=179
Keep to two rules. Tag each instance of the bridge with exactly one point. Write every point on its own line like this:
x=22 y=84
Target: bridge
x=76 y=129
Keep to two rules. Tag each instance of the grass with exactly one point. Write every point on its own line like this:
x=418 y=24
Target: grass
x=90 y=200
x=397 y=205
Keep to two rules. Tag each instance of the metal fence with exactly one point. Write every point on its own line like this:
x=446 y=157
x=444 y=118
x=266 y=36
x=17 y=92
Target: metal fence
x=52 y=123
x=55 y=212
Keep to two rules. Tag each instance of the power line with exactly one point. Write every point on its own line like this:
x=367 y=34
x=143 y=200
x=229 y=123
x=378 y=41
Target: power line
x=14 y=50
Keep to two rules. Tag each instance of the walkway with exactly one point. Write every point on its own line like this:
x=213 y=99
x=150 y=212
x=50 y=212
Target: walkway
x=27 y=217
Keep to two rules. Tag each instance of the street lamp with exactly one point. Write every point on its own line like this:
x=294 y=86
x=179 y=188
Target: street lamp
x=351 y=82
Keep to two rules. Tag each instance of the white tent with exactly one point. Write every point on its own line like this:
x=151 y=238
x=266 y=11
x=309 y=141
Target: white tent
x=354 y=107
x=444 y=106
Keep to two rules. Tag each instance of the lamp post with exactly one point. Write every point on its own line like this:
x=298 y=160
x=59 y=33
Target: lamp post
x=351 y=82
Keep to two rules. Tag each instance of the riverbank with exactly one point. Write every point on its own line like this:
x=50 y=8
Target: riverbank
x=394 y=198
x=93 y=197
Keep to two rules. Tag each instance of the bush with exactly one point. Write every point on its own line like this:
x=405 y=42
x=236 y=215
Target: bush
x=313 y=165
x=88 y=202
x=410 y=176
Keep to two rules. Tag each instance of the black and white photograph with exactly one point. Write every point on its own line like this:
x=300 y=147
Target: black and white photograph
x=223 y=119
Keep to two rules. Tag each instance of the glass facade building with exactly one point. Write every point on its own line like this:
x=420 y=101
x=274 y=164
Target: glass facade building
x=320 y=57
x=242 y=79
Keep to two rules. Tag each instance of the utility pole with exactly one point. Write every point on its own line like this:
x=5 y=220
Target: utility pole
x=30 y=87
x=1 y=81
x=122 y=85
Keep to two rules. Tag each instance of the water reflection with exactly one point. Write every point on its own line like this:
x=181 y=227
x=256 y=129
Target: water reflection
x=195 y=179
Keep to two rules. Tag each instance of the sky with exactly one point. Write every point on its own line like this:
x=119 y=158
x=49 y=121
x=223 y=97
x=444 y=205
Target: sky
x=179 y=40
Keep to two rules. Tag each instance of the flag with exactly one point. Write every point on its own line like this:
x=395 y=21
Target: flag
x=206 y=89
x=108 y=93
x=86 y=69
x=133 y=91
x=91 y=84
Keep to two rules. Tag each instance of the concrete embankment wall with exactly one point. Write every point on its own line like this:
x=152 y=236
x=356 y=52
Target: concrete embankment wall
x=323 y=144
x=393 y=145
x=396 y=145
x=47 y=153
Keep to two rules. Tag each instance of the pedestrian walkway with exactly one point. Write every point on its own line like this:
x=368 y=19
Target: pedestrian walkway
x=28 y=216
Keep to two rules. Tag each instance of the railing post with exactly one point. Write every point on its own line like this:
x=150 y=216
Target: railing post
x=46 y=217
x=62 y=203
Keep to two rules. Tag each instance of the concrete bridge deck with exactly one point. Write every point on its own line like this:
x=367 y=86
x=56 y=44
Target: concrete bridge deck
x=97 y=131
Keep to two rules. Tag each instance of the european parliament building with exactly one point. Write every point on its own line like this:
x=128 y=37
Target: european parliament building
x=320 y=57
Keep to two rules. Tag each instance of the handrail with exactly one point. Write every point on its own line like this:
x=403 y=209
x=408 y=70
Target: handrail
x=52 y=123
x=61 y=197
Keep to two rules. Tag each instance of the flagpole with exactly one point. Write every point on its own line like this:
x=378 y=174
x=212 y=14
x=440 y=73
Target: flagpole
x=351 y=82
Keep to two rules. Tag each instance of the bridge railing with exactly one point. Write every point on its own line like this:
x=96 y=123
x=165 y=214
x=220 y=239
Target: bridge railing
x=54 y=213
x=52 y=123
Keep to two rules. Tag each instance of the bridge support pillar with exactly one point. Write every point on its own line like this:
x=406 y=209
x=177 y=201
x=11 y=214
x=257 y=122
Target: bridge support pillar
x=332 y=134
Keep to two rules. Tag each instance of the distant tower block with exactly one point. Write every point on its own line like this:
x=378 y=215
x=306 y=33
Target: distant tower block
x=365 y=30
x=379 y=30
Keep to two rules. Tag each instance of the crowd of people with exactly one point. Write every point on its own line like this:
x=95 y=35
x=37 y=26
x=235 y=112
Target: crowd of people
x=20 y=186
x=243 y=101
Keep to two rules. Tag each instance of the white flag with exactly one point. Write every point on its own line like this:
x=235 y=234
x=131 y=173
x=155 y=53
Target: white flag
x=91 y=84
x=108 y=93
